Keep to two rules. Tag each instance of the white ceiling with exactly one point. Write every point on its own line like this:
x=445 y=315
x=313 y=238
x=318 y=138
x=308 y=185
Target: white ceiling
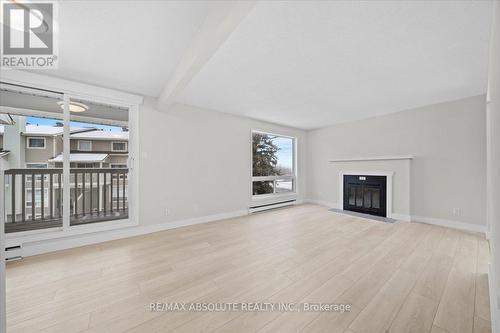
x=305 y=64
x=312 y=64
x=127 y=45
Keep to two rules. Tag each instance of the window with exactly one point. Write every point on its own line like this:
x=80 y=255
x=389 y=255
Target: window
x=118 y=146
x=273 y=164
x=84 y=145
x=119 y=190
x=118 y=165
x=35 y=143
x=85 y=165
x=36 y=165
x=38 y=197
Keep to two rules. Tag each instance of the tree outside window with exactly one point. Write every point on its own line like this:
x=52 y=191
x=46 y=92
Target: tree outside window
x=273 y=160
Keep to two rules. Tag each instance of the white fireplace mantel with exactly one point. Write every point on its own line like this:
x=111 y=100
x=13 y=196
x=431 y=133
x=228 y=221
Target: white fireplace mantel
x=376 y=158
x=388 y=166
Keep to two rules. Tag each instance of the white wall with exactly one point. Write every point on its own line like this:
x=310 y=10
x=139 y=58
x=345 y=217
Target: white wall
x=448 y=141
x=493 y=177
x=197 y=162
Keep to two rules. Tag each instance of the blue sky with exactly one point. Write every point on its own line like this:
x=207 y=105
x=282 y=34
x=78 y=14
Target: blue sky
x=285 y=154
x=52 y=122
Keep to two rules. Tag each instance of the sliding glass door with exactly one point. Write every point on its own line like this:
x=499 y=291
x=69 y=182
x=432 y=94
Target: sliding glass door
x=66 y=159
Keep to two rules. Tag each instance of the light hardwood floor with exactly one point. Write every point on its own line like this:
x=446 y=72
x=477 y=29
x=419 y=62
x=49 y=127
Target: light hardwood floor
x=404 y=277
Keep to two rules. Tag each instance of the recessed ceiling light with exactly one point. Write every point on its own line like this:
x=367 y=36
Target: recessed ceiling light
x=74 y=106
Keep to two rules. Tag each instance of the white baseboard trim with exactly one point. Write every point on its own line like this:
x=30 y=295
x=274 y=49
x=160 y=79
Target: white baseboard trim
x=45 y=246
x=450 y=224
x=401 y=217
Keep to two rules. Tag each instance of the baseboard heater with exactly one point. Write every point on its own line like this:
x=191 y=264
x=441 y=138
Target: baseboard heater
x=13 y=253
x=273 y=205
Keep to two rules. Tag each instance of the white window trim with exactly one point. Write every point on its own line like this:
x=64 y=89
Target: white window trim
x=80 y=141
x=292 y=177
x=36 y=137
x=118 y=150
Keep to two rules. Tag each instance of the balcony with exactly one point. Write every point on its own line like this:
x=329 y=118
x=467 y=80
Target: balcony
x=34 y=200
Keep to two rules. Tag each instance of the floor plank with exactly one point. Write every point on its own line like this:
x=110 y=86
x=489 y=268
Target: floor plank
x=379 y=313
x=456 y=309
x=481 y=325
x=482 y=300
x=416 y=315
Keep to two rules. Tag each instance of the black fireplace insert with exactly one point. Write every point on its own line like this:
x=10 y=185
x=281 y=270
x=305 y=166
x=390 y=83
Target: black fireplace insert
x=365 y=194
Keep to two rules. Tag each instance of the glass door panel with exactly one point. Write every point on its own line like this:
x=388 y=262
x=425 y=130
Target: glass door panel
x=31 y=132
x=376 y=198
x=99 y=152
x=359 y=196
x=368 y=198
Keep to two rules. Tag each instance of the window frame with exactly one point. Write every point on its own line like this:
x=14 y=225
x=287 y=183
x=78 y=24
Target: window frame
x=115 y=165
x=274 y=179
x=80 y=141
x=36 y=137
x=38 y=203
x=119 y=150
x=86 y=165
x=46 y=165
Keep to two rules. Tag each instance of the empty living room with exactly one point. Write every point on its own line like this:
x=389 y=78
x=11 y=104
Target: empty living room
x=250 y=166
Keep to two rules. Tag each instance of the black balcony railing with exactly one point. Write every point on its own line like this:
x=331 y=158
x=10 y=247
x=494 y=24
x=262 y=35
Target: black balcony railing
x=34 y=200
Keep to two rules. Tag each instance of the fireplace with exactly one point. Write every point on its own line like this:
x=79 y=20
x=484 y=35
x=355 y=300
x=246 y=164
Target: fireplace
x=365 y=194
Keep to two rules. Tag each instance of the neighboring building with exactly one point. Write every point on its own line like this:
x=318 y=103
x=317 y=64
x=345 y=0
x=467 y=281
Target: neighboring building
x=41 y=146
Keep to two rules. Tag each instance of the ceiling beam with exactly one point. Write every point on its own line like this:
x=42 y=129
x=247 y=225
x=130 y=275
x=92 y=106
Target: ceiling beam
x=222 y=19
